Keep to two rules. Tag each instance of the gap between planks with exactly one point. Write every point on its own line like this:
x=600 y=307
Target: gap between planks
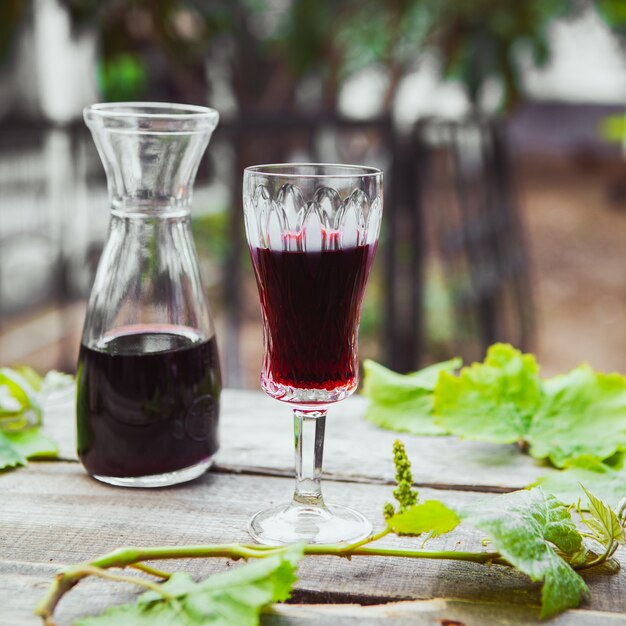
x=220 y=468
x=250 y=470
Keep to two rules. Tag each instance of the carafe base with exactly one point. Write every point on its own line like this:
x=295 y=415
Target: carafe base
x=158 y=480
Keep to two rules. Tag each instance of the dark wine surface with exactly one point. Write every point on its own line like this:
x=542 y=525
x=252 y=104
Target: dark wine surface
x=311 y=303
x=147 y=403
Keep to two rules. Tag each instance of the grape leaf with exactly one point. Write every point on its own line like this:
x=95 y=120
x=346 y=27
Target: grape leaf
x=607 y=481
x=231 y=598
x=23 y=396
x=32 y=444
x=583 y=413
x=603 y=522
x=9 y=455
x=491 y=401
x=17 y=447
x=20 y=388
x=404 y=402
x=31 y=376
x=8 y=404
x=524 y=527
x=430 y=516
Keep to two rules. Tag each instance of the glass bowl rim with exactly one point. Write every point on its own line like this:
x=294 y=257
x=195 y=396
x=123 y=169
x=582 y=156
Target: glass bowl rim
x=281 y=170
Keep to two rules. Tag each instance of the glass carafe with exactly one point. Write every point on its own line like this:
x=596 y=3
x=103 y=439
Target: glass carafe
x=148 y=372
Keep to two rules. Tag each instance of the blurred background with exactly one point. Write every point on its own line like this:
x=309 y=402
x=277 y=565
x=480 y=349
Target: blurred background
x=500 y=124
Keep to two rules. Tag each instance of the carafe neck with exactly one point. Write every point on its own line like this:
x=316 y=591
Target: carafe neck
x=151 y=154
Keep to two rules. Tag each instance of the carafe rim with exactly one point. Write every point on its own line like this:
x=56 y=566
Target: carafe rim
x=162 y=118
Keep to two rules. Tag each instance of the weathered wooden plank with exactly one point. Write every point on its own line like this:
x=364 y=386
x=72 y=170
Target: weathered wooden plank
x=438 y=612
x=92 y=597
x=52 y=514
x=256 y=434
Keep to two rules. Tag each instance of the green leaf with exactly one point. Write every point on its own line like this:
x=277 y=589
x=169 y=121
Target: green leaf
x=9 y=455
x=583 y=413
x=608 y=482
x=22 y=394
x=8 y=404
x=16 y=447
x=525 y=527
x=604 y=523
x=613 y=12
x=231 y=598
x=31 y=376
x=31 y=444
x=25 y=409
x=430 y=516
x=491 y=401
x=403 y=402
x=19 y=385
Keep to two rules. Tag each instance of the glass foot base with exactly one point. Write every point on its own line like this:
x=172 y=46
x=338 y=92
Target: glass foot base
x=291 y=523
x=159 y=480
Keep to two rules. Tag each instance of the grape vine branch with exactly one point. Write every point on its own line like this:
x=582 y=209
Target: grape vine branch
x=530 y=530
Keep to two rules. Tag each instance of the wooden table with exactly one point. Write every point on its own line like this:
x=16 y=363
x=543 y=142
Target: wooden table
x=53 y=514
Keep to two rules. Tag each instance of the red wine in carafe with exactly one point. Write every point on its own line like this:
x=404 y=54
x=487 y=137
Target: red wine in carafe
x=147 y=403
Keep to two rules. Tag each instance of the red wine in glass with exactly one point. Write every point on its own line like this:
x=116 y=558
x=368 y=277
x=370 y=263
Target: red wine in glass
x=311 y=304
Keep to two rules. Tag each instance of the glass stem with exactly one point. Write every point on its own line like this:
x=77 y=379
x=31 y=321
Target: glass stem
x=309 y=428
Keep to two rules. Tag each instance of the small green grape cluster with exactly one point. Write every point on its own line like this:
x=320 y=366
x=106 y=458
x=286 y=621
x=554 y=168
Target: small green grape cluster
x=404 y=494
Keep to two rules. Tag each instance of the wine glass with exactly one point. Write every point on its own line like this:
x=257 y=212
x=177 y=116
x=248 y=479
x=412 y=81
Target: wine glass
x=312 y=230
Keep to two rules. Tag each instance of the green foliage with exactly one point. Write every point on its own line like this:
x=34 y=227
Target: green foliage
x=525 y=527
x=481 y=40
x=211 y=236
x=17 y=447
x=19 y=404
x=404 y=493
x=604 y=523
x=613 y=128
x=430 y=516
x=9 y=455
x=232 y=598
x=583 y=413
x=122 y=78
x=532 y=530
x=414 y=517
x=614 y=14
x=305 y=30
x=577 y=420
x=403 y=402
x=491 y=401
x=32 y=444
x=607 y=481
x=390 y=33
x=23 y=393
x=503 y=400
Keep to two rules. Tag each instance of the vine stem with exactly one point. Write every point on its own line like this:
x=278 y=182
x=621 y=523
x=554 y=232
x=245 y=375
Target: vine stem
x=153 y=571
x=602 y=558
x=134 y=557
x=65 y=580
